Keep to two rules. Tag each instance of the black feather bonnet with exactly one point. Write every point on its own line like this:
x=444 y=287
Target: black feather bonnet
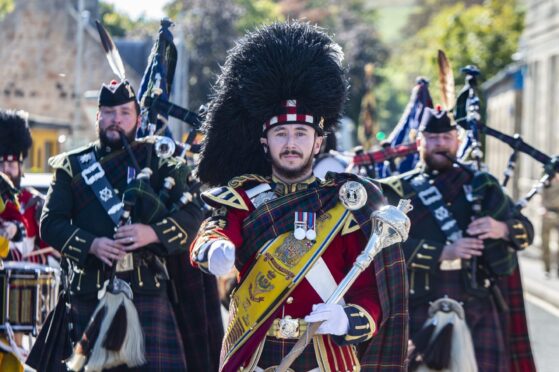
x=285 y=66
x=15 y=138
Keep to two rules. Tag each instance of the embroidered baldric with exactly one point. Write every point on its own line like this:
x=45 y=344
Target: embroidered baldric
x=432 y=198
x=93 y=175
x=280 y=265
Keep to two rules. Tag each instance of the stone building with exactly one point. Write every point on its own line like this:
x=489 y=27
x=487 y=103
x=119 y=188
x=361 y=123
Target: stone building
x=38 y=68
x=526 y=99
x=504 y=113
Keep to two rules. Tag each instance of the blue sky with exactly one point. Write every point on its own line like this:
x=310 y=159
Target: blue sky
x=135 y=8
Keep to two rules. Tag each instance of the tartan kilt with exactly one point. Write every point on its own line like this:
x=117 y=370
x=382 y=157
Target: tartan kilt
x=482 y=318
x=516 y=325
x=275 y=349
x=163 y=343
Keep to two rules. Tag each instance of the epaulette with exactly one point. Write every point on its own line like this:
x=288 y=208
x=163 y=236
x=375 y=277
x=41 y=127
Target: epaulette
x=395 y=182
x=62 y=161
x=224 y=196
x=247 y=180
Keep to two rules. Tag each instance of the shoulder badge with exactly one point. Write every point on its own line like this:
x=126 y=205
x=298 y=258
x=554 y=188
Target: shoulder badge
x=61 y=161
x=395 y=183
x=226 y=196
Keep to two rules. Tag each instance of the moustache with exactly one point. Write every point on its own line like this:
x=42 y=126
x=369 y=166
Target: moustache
x=291 y=152
x=115 y=128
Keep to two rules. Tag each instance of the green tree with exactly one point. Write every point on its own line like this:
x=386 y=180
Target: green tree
x=425 y=10
x=253 y=13
x=115 y=22
x=120 y=24
x=485 y=35
x=6 y=6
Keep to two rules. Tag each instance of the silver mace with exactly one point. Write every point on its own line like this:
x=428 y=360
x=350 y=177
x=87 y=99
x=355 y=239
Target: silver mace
x=390 y=226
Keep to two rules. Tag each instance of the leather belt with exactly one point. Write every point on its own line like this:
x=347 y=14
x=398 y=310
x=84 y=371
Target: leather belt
x=287 y=328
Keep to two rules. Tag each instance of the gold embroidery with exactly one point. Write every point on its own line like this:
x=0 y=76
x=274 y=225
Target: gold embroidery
x=292 y=250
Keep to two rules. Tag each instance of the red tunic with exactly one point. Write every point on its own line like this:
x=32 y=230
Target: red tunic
x=338 y=257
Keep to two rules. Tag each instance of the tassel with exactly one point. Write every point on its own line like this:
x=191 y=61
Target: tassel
x=421 y=341
x=438 y=355
x=99 y=355
x=421 y=338
x=117 y=330
x=131 y=352
x=89 y=338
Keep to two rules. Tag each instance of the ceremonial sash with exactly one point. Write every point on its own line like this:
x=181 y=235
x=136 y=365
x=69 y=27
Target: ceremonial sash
x=432 y=199
x=93 y=175
x=279 y=267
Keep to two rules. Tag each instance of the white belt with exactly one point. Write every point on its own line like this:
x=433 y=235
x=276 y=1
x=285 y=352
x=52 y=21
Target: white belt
x=322 y=281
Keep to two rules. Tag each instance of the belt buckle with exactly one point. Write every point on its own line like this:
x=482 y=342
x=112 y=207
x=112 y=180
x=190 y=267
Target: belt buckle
x=125 y=264
x=288 y=327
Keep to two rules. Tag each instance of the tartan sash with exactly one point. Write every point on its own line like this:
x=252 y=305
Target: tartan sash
x=275 y=217
x=281 y=265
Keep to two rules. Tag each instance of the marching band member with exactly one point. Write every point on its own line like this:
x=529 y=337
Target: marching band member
x=459 y=215
x=79 y=221
x=292 y=236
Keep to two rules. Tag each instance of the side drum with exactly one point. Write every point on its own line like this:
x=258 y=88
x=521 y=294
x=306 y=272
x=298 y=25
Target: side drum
x=325 y=163
x=29 y=293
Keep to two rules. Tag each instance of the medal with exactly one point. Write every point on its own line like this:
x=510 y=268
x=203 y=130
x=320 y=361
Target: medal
x=311 y=226
x=353 y=195
x=300 y=225
x=299 y=233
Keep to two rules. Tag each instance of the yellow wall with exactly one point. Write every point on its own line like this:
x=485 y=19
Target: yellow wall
x=45 y=145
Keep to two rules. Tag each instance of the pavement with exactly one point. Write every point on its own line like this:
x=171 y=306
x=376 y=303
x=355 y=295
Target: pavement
x=534 y=279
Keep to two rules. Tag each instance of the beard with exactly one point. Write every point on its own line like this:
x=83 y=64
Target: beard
x=292 y=173
x=114 y=144
x=436 y=161
x=16 y=179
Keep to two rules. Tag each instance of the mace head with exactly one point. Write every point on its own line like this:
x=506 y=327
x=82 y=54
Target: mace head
x=392 y=222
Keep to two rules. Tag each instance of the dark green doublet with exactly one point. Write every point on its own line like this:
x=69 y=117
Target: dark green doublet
x=426 y=239
x=73 y=217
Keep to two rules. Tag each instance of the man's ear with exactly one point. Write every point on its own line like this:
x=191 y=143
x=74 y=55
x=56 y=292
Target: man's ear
x=318 y=144
x=264 y=142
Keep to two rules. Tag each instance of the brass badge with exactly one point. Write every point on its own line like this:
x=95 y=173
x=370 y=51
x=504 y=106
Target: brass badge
x=353 y=195
x=125 y=264
x=288 y=327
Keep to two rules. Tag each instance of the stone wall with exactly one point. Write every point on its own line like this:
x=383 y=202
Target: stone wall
x=38 y=62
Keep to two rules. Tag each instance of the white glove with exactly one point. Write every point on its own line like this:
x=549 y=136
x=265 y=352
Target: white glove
x=333 y=316
x=221 y=257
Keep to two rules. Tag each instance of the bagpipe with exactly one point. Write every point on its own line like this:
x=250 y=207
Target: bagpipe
x=154 y=92
x=466 y=109
x=398 y=153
